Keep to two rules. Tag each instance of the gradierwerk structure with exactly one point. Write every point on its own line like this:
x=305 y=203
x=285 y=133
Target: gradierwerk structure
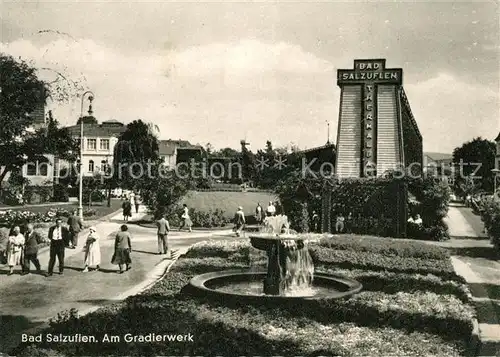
x=377 y=131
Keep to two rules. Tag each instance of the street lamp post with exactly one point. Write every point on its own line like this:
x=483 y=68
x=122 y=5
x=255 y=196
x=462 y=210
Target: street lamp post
x=80 y=188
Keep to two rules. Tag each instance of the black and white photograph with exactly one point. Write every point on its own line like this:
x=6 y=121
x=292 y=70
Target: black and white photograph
x=249 y=178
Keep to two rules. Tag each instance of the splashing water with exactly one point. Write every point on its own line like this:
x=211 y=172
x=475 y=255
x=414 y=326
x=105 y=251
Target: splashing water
x=298 y=268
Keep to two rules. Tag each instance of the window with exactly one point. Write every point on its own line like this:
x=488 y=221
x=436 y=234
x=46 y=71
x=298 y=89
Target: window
x=43 y=169
x=104 y=144
x=91 y=144
x=31 y=169
x=91 y=166
x=104 y=166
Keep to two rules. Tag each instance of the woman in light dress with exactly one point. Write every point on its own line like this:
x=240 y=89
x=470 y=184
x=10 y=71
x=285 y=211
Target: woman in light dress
x=186 y=220
x=92 y=251
x=15 y=247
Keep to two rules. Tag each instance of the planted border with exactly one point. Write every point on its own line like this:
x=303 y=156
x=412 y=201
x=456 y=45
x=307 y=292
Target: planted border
x=392 y=247
x=346 y=259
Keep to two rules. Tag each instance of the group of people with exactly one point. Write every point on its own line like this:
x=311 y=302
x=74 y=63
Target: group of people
x=132 y=199
x=23 y=246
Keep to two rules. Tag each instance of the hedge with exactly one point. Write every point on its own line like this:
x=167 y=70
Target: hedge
x=391 y=283
x=391 y=247
x=377 y=204
x=371 y=261
x=491 y=218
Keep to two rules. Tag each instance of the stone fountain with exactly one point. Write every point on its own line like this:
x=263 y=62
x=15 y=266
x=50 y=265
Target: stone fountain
x=289 y=266
x=289 y=277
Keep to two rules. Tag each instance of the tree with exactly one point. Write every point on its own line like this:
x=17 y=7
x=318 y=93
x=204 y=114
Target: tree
x=275 y=164
x=21 y=93
x=475 y=158
x=247 y=163
x=162 y=194
x=137 y=147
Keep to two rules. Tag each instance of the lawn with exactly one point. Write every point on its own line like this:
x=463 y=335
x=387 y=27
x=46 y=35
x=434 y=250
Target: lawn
x=227 y=201
x=405 y=309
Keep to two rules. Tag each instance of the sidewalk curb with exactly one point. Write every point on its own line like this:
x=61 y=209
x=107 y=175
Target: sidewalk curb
x=477 y=346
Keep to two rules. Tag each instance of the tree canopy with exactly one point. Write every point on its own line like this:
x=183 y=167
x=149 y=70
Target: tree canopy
x=21 y=93
x=476 y=158
x=137 y=147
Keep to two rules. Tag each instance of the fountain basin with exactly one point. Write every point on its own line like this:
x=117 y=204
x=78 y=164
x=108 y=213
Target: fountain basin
x=225 y=286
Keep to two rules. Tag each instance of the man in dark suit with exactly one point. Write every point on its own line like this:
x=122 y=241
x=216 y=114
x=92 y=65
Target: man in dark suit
x=163 y=230
x=75 y=227
x=32 y=240
x=59 y=239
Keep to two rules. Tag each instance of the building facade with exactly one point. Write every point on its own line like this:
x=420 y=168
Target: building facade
x=173 y=152
x=99 y=142
x=377 y=131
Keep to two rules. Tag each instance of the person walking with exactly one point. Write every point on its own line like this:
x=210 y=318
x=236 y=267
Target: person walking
x=258 y=214
x=123 y=248
x=127 y=209
x=15 y=248
x=186 y=219
x=163 y=230
x=137 y=202
x=92 y=251
x=239 y=221
x=59 y=239
x=32 y=240
x=75 y=224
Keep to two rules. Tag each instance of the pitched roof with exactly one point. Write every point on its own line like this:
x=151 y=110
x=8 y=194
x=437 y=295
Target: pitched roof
x=438 y=156
x=97 y=130
x=167 y=147
x=326 y=146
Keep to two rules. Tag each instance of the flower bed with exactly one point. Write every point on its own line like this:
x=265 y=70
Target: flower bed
x=10 y=218
x=414 y=315
x=391 y=282
x=346 y=259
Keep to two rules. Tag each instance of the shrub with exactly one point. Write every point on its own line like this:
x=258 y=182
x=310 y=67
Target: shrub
x=61 y=193
x=431 y=200
x=89 y=212
x=392 y=247
x=209 y=219
x=491 y=218
x=91 y=195
x=37 y=194
x=392 y=283
x=371 y=261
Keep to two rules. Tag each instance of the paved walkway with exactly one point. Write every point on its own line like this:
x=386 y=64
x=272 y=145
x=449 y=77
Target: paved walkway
x=28 y=302
x=474 y=258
